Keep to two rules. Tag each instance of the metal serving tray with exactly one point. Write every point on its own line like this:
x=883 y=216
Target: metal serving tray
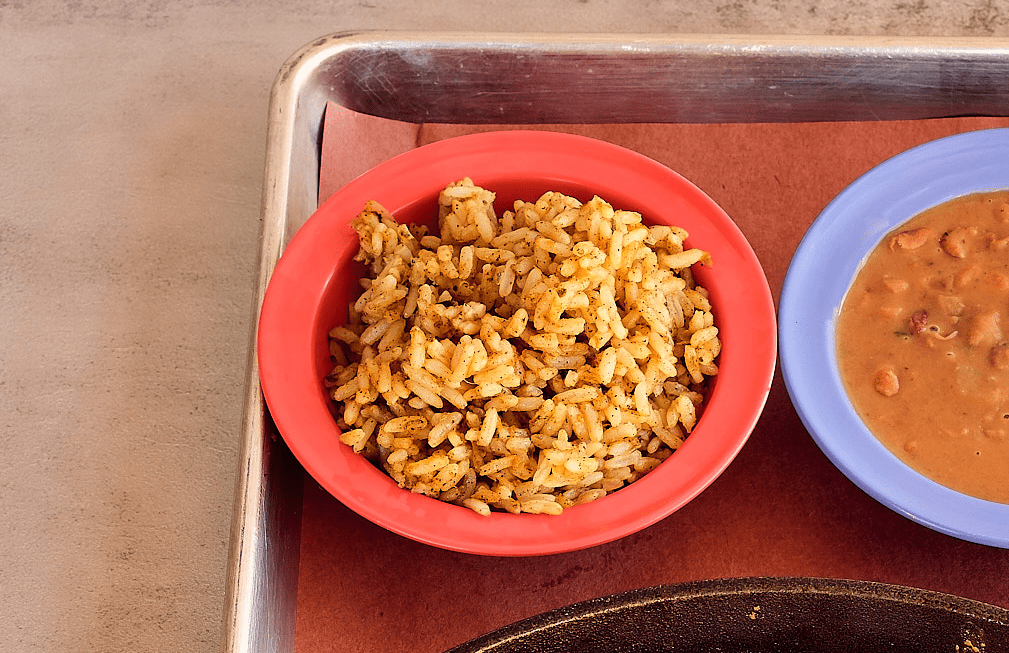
x=485 y=78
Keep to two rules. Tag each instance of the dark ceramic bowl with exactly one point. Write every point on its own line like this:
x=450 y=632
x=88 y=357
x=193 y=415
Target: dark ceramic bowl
x=750 y=615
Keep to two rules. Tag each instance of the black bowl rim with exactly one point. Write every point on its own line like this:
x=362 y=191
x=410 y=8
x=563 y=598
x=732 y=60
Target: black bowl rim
x=745 y=589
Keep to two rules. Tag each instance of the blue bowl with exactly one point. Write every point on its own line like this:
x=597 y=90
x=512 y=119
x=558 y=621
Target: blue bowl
x=820 y=273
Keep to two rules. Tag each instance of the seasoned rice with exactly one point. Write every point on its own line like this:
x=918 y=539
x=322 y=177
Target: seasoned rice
x=526 y=362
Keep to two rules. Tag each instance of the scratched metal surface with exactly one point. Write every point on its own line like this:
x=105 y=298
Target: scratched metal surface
x=516 y=78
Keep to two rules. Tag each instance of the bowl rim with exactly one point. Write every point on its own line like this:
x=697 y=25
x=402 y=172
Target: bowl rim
x=553 y=159
x=819 y=276
x=689 y=607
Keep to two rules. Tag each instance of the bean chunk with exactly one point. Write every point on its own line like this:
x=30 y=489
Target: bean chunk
x=918 y=322
x=985 y=329
x=910 y=239
x=999 y=356
x=954 y=242
x=886 y=382
x=895 y=286
x=951 y=304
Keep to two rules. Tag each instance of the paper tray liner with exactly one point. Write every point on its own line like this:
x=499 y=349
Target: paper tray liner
x=780 y=509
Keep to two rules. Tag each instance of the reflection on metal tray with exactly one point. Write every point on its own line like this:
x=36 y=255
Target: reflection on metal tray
x=746 y=615
x=517 y=78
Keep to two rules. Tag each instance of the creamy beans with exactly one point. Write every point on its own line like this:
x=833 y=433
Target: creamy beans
x=923 y=344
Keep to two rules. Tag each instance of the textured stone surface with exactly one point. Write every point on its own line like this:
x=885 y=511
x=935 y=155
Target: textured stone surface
x=131 y=161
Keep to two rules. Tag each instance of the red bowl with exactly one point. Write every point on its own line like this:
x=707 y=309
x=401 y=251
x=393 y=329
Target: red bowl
x=315 y=279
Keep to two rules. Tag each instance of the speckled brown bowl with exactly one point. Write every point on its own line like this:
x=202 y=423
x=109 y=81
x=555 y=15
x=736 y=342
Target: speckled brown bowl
x=749 y=615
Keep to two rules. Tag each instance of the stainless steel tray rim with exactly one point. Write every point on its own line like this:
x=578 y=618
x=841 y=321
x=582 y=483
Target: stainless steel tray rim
x=687 y=78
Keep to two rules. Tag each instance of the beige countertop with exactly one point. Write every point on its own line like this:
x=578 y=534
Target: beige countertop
x=131 y=163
